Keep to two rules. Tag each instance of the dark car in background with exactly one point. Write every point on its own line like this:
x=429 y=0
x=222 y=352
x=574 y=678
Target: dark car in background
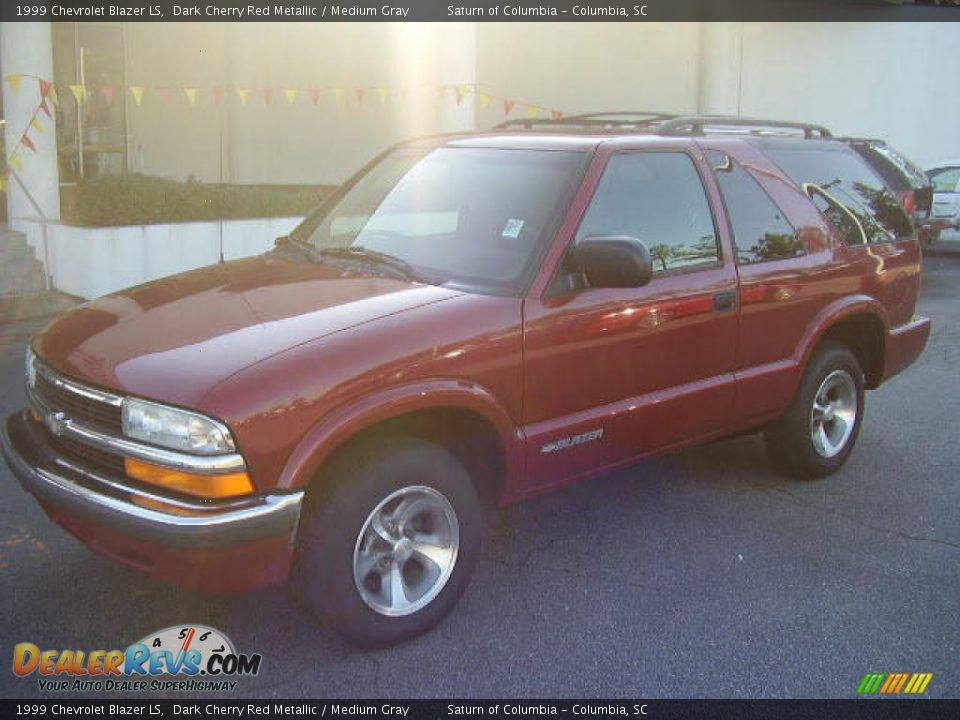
x=907 y=181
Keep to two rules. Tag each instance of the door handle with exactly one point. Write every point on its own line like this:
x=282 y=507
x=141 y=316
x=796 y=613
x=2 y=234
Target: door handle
x=725 y=301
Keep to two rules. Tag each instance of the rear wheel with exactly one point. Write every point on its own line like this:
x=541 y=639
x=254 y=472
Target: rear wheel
x=390 y=540
x=817 y=433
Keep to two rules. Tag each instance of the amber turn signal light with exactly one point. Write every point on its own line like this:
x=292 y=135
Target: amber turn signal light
x=226 y=485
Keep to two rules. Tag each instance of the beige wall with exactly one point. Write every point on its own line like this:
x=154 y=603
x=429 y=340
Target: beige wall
x=278 y=142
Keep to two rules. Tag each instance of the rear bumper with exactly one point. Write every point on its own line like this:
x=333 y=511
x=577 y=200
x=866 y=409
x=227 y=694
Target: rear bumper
x=222 y=547
x=904 y=345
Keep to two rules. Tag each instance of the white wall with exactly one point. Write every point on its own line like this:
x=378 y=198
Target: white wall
x=90 y=262
x=896 y=81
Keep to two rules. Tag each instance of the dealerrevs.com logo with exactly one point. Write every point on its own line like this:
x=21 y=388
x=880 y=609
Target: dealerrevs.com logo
x=201 y=658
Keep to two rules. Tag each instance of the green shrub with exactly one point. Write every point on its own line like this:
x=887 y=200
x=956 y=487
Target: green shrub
x=144 y=200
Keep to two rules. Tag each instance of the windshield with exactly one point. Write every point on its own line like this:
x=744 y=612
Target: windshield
x=475 y=218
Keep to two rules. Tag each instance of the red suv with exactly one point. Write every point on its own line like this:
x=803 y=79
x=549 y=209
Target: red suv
x=471 y=317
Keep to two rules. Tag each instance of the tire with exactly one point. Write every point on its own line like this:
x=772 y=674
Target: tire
x=813 y=440
x=415 y=495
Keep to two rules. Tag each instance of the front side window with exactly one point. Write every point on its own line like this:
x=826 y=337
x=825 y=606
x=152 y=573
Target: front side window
x=472 y=218
x=760 y=231
x=657 y=198
x=834 y=174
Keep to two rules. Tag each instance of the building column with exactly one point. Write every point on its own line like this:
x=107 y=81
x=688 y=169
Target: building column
x=26 y=50
x=720 y=65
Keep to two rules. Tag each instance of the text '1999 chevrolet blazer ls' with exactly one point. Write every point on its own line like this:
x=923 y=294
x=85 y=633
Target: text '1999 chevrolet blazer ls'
x=471 y=318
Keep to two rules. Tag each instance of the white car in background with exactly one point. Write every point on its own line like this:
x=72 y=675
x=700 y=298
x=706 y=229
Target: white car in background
x=945 y=179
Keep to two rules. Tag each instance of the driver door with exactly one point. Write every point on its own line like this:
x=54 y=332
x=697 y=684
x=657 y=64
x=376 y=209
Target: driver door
x=615 y=373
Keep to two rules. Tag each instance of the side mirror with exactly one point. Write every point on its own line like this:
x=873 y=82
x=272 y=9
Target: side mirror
x=612 y=261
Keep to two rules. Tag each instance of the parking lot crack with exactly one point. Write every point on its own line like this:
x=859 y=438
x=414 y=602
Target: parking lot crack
x=796 y=500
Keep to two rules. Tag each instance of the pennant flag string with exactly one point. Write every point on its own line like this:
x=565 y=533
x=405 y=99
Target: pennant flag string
x=106 y=93
x=459 y=93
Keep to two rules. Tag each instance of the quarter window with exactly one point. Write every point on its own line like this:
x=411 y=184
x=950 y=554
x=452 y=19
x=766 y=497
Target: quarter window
x=836 y=175
x=760 y=231
x=658 y=198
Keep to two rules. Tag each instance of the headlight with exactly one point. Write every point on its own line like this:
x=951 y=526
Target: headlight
x=31 y=368
x=175 y=429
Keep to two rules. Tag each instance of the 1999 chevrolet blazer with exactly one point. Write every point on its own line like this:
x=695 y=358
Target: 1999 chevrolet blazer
x=477 y=316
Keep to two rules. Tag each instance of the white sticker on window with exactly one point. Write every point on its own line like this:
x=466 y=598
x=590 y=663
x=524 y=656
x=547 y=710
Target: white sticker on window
x=512 y=228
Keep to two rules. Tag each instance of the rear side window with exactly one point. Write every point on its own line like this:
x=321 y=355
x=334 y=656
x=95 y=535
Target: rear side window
x=760 y=231
x=835 y=175
x=658 y=198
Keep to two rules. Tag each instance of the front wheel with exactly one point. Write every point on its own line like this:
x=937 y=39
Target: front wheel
x=817 y=433
x=389 y=539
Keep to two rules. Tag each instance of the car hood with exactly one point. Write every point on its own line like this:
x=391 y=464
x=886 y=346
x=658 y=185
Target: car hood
x=176 y=338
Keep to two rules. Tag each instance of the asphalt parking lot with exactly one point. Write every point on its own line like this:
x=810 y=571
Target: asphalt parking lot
x=701 y=574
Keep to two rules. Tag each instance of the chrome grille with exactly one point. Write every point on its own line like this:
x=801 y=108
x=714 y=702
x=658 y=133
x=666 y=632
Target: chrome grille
x=81 y=407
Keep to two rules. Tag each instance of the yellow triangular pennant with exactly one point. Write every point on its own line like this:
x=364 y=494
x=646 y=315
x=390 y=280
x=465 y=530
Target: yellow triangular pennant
x=243 y=94
x=14 y=81
x=533 y=111
x=191 y=93
x=484 y=100
x=3 y=185
x=79 y=93
x=16 y=162
x=382 y=93
x=136 y=91
x=291 y=95
x=337 y=95
x=36 y=124
x=53 y=96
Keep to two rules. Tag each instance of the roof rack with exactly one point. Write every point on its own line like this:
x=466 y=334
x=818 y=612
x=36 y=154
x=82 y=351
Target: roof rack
x=615 y=118
x=694 y=125
x=632 y=115
x=663 y=123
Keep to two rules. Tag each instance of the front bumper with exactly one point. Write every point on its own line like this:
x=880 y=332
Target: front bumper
x=224 y=546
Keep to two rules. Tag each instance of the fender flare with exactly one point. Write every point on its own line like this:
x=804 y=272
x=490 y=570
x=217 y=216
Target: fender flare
x=338 y=426
x=829 y=316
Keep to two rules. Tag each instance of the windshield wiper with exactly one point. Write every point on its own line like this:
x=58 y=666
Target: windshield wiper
x=367 y=256
x=304 y=247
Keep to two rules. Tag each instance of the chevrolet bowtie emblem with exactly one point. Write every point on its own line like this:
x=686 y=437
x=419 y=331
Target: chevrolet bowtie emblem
x=56 y=422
